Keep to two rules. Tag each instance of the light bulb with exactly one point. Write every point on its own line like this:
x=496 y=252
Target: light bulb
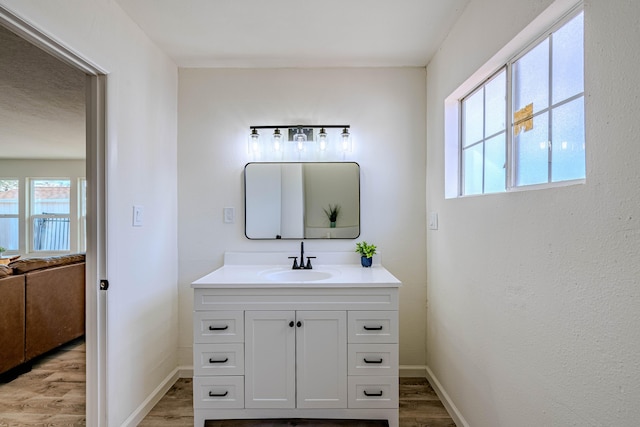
x=255 y=141
x=346 y=143
x=300 y=139
x=277 y=140
x=322 y=140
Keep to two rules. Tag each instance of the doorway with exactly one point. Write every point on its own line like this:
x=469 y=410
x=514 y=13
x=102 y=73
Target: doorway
x=95 y=172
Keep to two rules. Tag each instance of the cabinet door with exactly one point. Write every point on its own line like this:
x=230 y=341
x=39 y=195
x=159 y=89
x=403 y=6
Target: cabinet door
x=321 y=346
x=270 y=359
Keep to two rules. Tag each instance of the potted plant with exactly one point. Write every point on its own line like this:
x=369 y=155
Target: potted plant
x=2 y=249
x=332 y=214
x=366 y=251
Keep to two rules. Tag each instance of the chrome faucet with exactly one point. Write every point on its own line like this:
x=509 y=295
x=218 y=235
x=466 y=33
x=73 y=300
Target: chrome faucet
x=301 y=266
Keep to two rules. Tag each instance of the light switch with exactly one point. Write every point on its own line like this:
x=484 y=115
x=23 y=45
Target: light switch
x=138 y=216
x=433 y=221
x=229 y=215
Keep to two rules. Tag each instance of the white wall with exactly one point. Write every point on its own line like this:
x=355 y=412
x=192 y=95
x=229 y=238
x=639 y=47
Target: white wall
x=141 y=169
x=386 y=111
x=533 y=296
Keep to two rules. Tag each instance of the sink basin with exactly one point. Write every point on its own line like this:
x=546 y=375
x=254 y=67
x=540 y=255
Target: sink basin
x=279 y=275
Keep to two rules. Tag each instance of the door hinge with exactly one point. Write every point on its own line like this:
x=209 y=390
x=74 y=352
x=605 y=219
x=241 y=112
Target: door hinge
x=104 y=285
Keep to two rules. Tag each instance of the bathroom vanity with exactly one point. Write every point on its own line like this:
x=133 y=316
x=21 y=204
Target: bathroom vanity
x=271 y=342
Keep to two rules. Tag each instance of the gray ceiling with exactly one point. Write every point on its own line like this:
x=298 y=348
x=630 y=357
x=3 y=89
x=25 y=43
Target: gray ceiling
x=296 y=33
x=42 y=105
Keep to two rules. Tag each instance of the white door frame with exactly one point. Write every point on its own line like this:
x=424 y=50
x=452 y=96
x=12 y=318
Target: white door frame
x=95 y=325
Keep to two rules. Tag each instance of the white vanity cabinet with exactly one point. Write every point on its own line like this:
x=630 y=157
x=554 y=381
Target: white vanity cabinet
x=296 y=359
x=296 y=350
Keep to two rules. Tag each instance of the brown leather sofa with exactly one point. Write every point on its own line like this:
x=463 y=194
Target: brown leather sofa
x=42 y=306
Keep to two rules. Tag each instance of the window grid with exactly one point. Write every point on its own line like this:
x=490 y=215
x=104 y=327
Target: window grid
x=511 y=163
x=465 y=147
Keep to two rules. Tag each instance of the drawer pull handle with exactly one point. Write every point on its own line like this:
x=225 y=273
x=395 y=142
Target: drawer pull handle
x=219 y=328
x=373 y=361
x=212 y=394
x=378 y=394
x=374 y=328
x=226 y=359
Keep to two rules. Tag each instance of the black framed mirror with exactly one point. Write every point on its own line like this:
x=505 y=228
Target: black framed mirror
x=298 y=200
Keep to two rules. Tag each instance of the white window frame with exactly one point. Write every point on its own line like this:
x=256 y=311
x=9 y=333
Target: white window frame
x=82 y=214
x=15 y=216
x=541 y=28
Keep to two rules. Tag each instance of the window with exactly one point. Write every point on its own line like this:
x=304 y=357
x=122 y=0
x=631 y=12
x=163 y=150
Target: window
x=541 y=140
x=50 y=207
x=83 y=215
x=9 y=214
x=484 y=137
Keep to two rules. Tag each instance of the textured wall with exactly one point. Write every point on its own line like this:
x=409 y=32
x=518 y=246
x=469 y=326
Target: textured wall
x=534 y=295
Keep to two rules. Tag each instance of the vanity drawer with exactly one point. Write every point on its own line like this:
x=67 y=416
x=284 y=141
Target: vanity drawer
x=218 y=359
x=373 y=327
x=373 y=392
x=218 y=326
x=373 y=359
x=218 y=392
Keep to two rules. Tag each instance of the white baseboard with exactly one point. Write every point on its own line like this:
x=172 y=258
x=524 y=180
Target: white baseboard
x=185 y=372
x=419 y=371
x=141 y=411
x=446 y=400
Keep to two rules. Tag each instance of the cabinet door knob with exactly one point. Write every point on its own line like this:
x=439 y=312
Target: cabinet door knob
x=291 y=324
x=372 y=328
x=212 y=394
x=299 y=324
x=226 y=359
x=219 y=328
x=372 y=361
x=378 y=394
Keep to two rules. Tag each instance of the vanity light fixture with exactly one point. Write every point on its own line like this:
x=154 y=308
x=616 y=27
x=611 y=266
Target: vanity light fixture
x=301 y=142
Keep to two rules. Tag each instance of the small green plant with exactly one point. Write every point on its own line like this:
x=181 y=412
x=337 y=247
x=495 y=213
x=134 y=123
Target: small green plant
x=2 y=249
x=365 y=249
x=332 y=212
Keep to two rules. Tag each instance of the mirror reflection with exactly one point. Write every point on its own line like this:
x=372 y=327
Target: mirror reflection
x=302 y=200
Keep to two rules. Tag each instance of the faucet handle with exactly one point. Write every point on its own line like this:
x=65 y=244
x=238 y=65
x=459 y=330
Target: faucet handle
x=295 y=262
x=309 y=266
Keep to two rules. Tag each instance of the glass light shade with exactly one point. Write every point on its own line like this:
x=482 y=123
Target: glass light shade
x=345 y=145
x=254 y=142
x=277 y=140
x=322 y=140
x=300 y=138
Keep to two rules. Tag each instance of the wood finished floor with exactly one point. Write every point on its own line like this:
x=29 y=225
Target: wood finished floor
x=53 y=394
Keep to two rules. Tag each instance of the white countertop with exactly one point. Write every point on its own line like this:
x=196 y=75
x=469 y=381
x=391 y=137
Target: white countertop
x=240 y=274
